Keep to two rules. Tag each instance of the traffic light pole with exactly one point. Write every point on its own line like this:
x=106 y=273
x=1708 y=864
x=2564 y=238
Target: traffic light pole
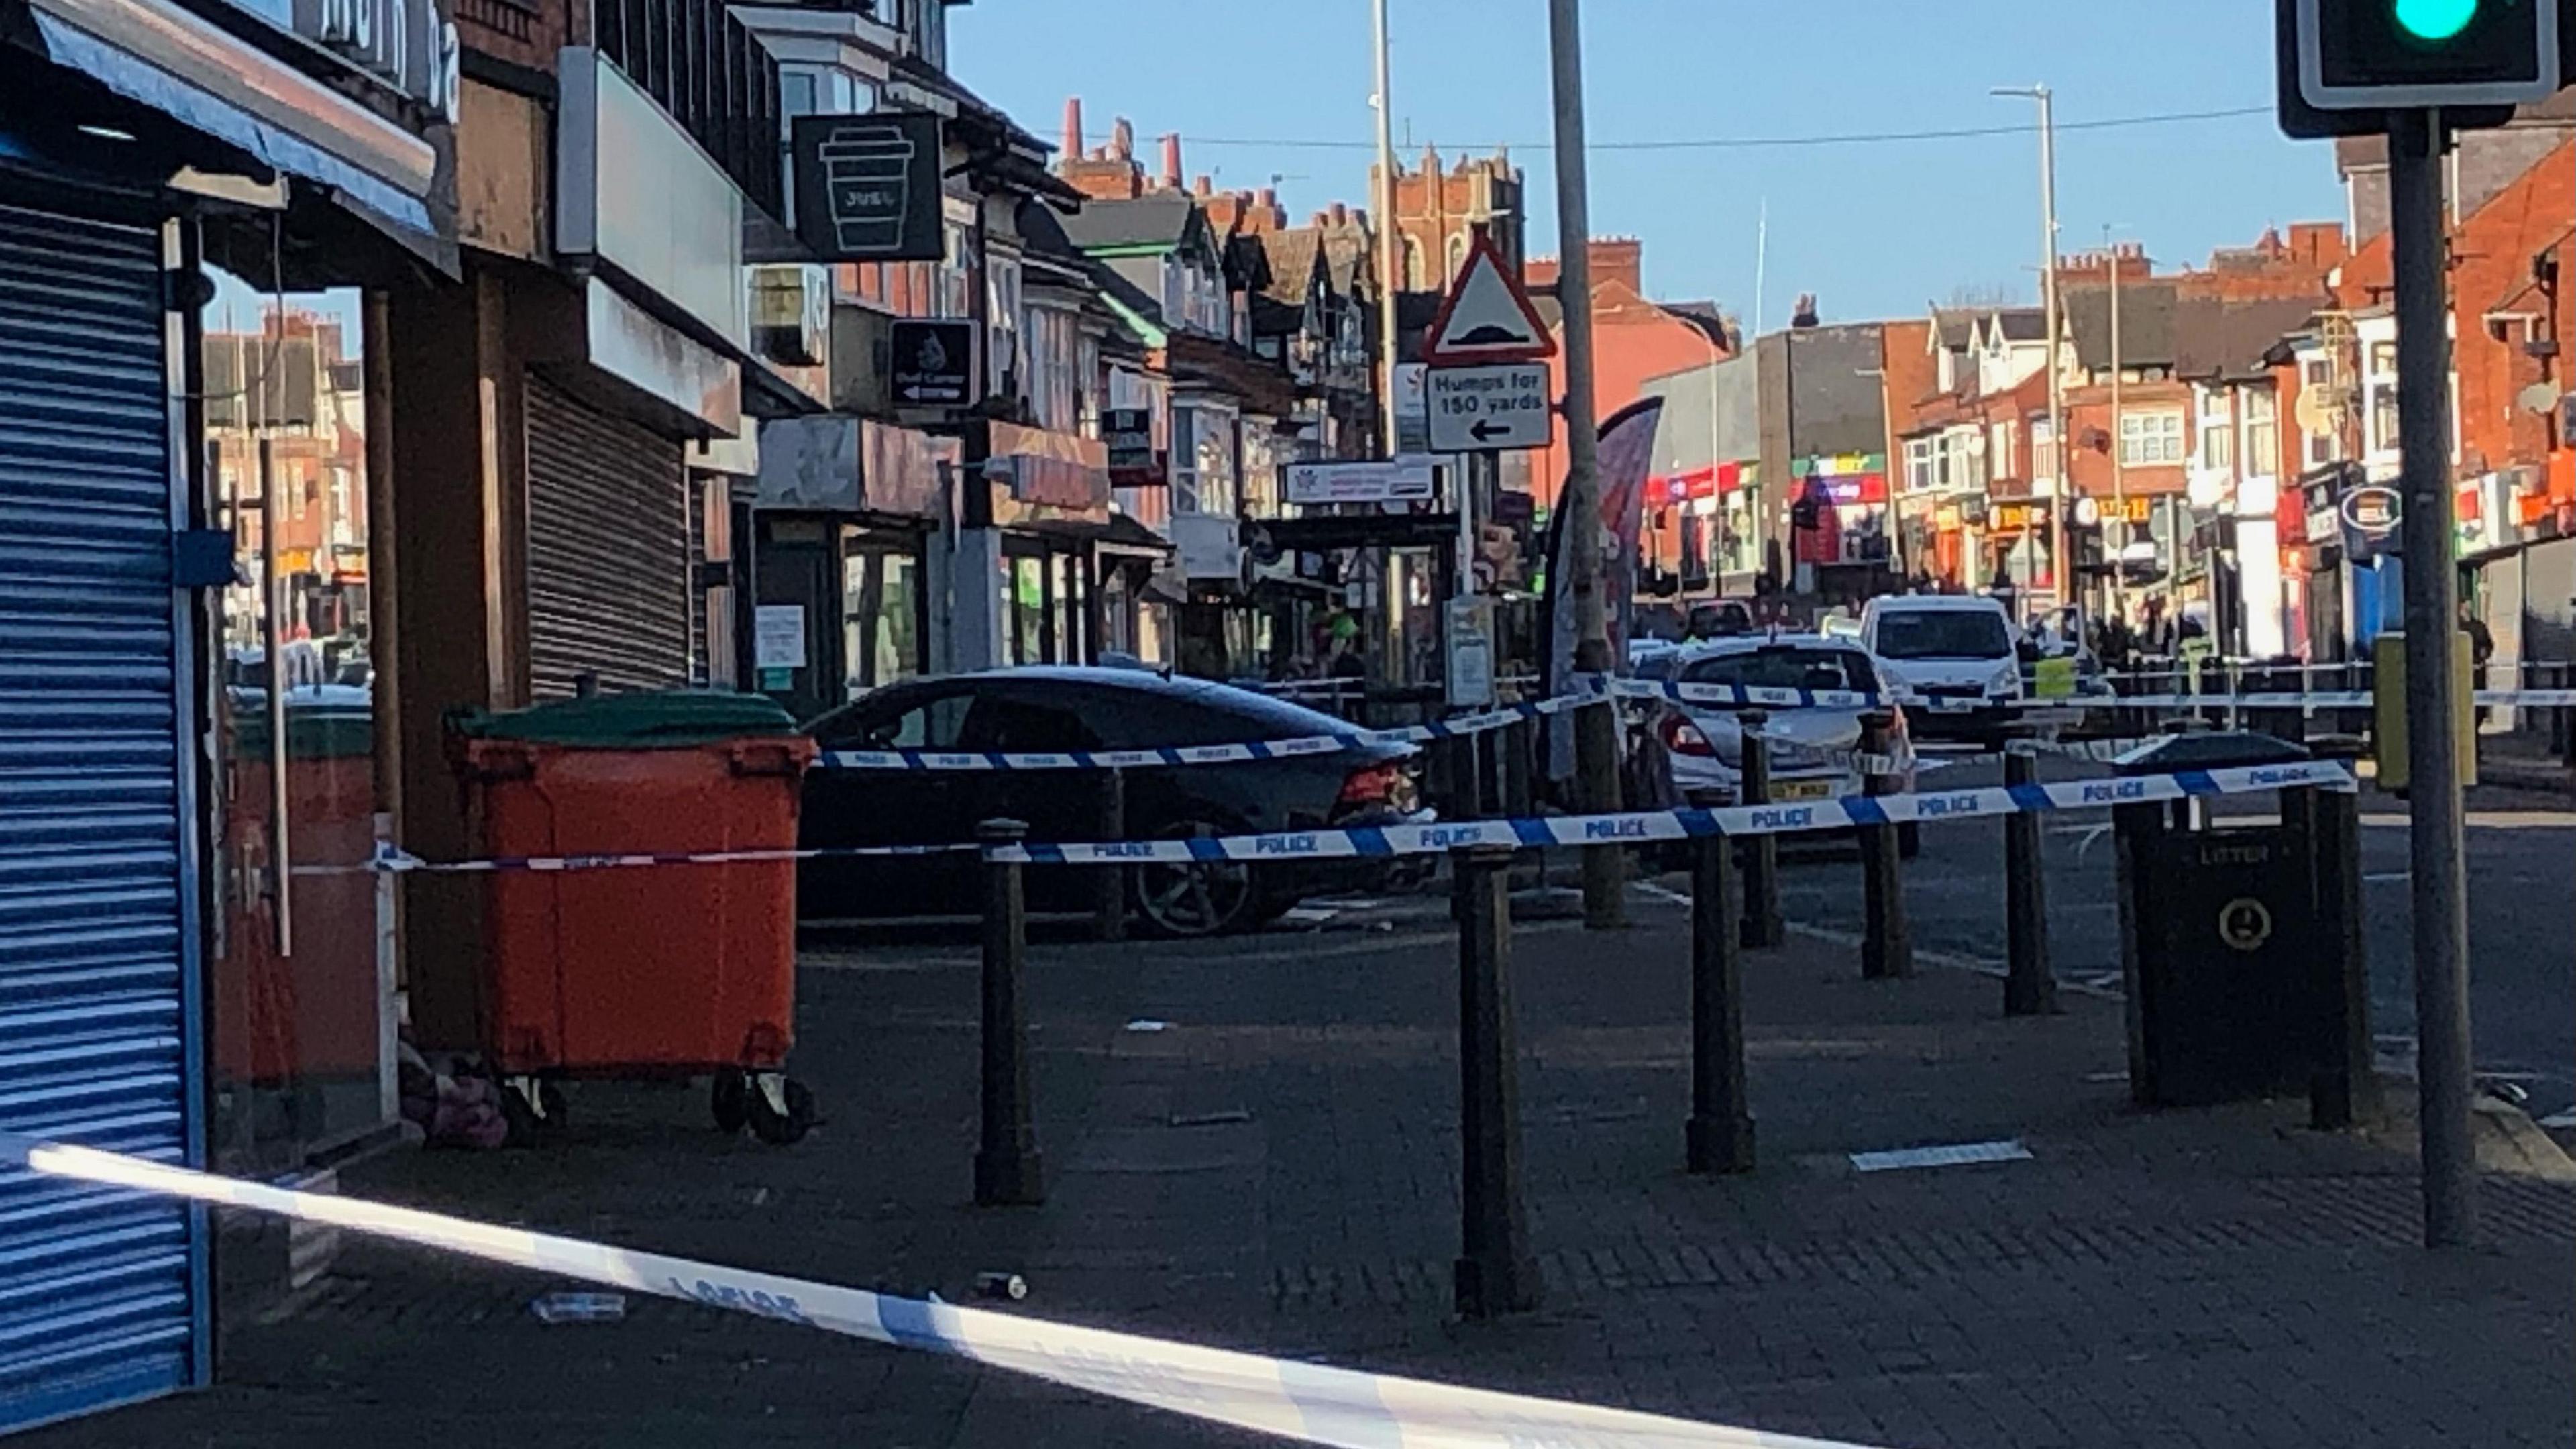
x=2417 y=141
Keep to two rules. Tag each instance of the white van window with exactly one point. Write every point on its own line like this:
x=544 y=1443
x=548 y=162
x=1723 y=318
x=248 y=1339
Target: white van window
x=1943 y=634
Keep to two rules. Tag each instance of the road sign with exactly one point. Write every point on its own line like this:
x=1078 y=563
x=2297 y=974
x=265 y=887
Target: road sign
x=1402 y=480
x=1487 y=316
x=1412 y=418
x=1489 y=409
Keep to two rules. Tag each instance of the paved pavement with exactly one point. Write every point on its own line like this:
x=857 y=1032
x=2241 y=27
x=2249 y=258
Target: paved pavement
x=1276 y=1170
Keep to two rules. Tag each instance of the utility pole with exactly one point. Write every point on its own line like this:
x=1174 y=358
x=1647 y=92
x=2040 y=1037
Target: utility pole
x=1596 y=739
x=2119 y=447
x=2058 y=502
x=1390 y=241
x=2418 y=143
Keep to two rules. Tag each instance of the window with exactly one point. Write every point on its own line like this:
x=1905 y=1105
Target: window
x=1789 y=667
x=1918 y=465
x=2262 y=435
x=2217 y=445
x=1414 y=280
x=2147 y=439
x=1002 y=300
x=2383 y=419
x=934 y=724
x=2317 y=372
x=1054 y=360
x=2383 y=359
x=1999 y=451
x=881 y=616
x=1457 y=259
x=2043 y=451
x=1943 y=634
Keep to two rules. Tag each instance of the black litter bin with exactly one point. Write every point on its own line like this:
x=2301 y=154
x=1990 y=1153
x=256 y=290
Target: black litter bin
x=2236 y=940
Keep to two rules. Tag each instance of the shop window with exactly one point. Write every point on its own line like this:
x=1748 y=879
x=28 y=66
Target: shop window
x=881 y=615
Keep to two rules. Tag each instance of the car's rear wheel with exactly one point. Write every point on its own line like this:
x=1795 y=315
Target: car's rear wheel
x=1197 y=898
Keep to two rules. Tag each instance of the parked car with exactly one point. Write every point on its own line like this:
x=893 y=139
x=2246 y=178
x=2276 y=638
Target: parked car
x=1050 y=710
x=1810 y=749
x=1951 y=659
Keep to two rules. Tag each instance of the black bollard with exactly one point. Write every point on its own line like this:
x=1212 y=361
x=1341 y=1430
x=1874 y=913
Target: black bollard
x=1763 y=926
x=1719 y=1137
x=1109 y=907
x=1518 y=742
x=2030 y=986
x=1008 y=1169
x=1886 y=946
x=2344 y=1087
x=1494 y=1272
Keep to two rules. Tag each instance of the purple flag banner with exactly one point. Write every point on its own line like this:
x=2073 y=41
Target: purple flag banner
x=1625 y=455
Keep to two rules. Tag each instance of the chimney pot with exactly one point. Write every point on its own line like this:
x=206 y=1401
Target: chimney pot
x=1122 y=140
x=1072 y=127
x=1341 y=213
x=1172 y=160
x=1204 y=186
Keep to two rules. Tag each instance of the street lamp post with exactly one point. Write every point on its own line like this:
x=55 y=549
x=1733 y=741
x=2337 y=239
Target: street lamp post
x=2057 y=499
x=1390 y=239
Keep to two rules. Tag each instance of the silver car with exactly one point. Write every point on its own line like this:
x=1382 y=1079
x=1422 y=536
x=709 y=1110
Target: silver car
x=1813 y=746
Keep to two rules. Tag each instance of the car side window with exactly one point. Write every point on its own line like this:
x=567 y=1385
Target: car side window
x=930 y=724
x=1026 y=726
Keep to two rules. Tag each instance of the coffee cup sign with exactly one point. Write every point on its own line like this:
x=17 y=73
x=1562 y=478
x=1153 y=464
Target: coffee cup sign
x=868 y=187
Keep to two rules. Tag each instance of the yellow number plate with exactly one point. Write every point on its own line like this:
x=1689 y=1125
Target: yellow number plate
x=1802 y=790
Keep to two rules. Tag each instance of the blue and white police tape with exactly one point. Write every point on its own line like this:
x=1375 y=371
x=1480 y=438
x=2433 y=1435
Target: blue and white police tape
x=1640 y=826
x=393 y=861
x=2318 y=699
x=1309 y=1403
x=1157 y=756
x=1750 y=696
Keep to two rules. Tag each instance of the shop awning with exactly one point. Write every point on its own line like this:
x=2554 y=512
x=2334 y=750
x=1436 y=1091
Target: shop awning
x=158 y=55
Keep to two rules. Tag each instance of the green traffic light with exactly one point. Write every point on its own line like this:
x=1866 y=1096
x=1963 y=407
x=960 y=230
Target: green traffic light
x=2435 y=19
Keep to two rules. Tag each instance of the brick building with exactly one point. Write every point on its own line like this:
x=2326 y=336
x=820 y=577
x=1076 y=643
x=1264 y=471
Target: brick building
x=1437 y=213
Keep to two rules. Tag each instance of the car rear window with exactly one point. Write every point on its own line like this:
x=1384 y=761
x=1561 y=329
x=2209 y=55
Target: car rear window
x=1786 y=667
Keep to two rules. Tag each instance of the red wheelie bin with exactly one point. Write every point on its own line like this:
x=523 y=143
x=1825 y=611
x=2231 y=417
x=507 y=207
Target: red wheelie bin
x=678 y=967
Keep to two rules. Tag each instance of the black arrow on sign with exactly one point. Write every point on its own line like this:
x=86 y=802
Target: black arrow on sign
x=1485 y=428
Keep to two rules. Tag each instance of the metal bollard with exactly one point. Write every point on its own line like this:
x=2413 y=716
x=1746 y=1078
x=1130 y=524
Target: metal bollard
x=1008 y=1169
x=2344 y=1087
x=1886 y=947
x=1763 y=927
x=1494 y=1271
x=1518 y=743
x=1109 y=906
x=2030 y=986
x=1719 y=1137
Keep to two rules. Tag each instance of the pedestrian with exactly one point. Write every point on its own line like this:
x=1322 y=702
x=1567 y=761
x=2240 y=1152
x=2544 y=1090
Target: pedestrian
x=2481 y=649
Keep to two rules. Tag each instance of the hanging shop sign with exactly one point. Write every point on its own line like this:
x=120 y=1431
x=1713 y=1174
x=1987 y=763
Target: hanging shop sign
x=867 y=187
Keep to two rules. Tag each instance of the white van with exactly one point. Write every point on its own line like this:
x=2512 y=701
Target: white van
x=1950 y=658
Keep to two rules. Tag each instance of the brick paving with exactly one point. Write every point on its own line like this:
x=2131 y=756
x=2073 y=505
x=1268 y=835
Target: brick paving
x=1277 y=1171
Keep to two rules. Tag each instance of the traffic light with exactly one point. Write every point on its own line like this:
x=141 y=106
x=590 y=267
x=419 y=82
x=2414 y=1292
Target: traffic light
x=2402 y=54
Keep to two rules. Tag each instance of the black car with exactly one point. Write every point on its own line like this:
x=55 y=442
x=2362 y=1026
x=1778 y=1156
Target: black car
x=1053 y=710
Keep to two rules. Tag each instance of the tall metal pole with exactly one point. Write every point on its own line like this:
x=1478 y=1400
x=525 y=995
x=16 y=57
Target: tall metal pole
x=2417 y=143
x=1596 y=741
x=2119 y=443
x=1390 y=240
x=2058 y=499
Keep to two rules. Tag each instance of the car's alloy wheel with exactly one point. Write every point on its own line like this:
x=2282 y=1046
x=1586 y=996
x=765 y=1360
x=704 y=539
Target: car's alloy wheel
x=1199 y=898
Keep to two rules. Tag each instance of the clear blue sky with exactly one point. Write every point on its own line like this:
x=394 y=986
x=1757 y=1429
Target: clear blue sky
x=1875 y=230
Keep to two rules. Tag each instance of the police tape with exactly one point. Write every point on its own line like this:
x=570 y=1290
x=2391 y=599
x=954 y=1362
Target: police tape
x=1642 y=826
x=1295 y=746
x=1308 y=1402
x=2315 y=699
x=394 y=861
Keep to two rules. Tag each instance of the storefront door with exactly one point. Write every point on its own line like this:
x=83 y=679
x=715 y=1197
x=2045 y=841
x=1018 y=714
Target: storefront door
x=103 y=1293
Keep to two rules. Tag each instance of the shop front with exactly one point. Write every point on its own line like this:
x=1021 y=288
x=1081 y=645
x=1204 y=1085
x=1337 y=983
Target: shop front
x=188 y=787
x=1051 y=505
x=847 y=518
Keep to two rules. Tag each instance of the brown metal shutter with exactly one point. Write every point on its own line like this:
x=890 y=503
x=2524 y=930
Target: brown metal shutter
x=608 y=550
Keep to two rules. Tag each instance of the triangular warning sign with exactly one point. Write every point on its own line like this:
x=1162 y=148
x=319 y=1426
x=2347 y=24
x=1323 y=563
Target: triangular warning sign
x=1486 y=317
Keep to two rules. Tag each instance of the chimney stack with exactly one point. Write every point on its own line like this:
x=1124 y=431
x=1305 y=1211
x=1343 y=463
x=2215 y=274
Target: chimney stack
x=1172 y=161
x=1122 y=141
x=1072 y=128
x=1341 y=213
x=1203 y=185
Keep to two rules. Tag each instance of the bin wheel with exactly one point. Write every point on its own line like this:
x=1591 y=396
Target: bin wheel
x=729 y=1101
x=768 y=1124
x=534 y=1111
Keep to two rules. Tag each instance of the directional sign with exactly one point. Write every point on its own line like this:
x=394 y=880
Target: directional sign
x=1489 y=409
x=1487 y=316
